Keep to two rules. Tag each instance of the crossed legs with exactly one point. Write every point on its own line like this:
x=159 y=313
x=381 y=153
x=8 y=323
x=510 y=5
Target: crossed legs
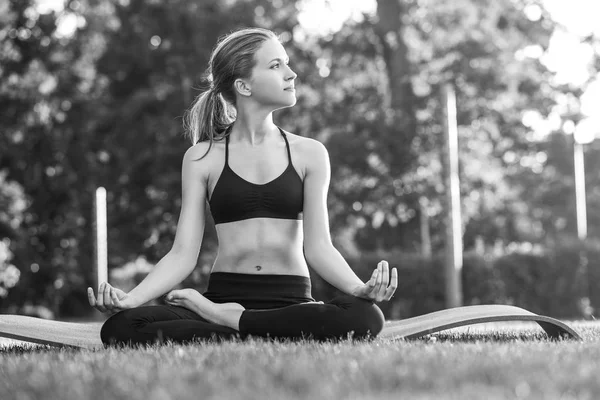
x=336 y=319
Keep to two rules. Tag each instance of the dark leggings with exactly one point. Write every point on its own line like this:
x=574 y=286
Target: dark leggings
x=275 y=308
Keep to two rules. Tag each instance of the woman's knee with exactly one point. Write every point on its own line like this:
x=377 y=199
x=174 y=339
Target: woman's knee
x=372 y=318
x=364 y=315
x=116 y=329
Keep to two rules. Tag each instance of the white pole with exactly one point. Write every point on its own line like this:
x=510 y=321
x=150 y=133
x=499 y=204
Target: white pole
x=101 y=237
x=425 y=231
x=580 y=191
x=454 y=244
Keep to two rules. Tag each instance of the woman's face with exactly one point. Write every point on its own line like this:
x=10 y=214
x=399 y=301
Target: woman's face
x=272 y=80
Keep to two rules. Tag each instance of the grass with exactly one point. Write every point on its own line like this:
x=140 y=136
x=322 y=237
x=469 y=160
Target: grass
x=484 y=361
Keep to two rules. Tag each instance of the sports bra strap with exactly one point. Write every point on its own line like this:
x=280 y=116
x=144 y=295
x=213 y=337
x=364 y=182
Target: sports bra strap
x=287 y=145
x=226 y=149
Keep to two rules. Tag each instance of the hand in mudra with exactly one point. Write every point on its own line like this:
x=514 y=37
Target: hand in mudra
x=110 y=299
x=377 y=288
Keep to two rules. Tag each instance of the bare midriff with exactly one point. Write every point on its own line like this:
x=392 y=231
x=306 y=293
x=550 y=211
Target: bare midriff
x=261 y=246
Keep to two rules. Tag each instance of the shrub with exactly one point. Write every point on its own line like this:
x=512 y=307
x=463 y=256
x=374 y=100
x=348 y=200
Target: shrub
x=558 y=282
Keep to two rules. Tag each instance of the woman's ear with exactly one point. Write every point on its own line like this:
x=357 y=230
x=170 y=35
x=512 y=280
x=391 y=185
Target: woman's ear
x=242 y=87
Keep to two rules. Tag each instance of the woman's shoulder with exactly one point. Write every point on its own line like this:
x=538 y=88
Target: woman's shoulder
x=202 y=150
x=303 y=143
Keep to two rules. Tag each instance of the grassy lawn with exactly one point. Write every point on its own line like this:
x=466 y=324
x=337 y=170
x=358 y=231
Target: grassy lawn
x=488 y=361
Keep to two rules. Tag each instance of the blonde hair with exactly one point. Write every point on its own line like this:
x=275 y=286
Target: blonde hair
x=213 y=111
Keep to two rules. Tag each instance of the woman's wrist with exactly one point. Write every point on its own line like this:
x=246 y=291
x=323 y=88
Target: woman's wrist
x=356 y=291
x=136 y=301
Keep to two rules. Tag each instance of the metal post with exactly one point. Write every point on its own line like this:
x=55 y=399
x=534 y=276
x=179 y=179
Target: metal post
x=101 y=237
x=585 y=132
x=425 y=231
x=454 y=245
x=580 y=190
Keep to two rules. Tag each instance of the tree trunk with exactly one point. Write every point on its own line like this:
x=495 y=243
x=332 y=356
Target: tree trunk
x=401 y=97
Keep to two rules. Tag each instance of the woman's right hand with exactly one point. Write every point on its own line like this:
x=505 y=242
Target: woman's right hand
x=110 y=299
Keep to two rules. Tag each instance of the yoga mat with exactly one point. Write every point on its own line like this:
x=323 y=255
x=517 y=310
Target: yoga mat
x=87 y=335
x=50 y=332
x=415 y=327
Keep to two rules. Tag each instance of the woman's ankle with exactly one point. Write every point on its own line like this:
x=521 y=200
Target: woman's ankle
x=229 y=314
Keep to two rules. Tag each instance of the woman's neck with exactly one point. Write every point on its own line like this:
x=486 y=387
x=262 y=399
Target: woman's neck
x=253 y=129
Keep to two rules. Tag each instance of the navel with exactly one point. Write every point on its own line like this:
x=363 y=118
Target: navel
x=258 y=267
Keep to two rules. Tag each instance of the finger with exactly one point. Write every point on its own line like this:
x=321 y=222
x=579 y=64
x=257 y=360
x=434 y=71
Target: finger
x=102 y=298
x=373 y=284
x=91 y=297
x=115 y=298
x=100 y=301
x=107 y=300
x=378 y=284
x=370 y=287
x=373 y=281
x=393 y=285
x=385 y=279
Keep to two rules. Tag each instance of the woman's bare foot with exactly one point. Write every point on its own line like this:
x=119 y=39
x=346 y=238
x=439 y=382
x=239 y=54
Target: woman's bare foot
x=227 y=314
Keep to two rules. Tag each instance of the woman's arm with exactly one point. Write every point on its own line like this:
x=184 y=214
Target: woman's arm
x=319 y=251
x=178 y=263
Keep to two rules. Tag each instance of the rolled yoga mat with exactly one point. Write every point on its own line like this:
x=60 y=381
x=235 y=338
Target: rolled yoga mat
x=87 y=335
x=50 y=332
x=415 y=327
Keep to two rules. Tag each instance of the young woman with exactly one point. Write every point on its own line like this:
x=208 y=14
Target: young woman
x=267 y=221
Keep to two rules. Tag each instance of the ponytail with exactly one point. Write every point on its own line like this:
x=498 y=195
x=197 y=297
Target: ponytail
x=213 y=111
x=208 y=118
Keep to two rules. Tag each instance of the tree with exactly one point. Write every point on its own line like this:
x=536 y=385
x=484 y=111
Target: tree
x=42 y=76
x=102 y=107
x=469 y=44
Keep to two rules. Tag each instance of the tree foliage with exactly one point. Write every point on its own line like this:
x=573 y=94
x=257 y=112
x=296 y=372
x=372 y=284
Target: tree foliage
x=103 y=107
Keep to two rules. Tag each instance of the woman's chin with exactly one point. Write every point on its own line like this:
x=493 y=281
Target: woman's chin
x=292 y=102
x=279 y=103
x=285 y=105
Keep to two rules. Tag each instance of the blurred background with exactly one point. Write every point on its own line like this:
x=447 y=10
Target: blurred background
x=92 y=94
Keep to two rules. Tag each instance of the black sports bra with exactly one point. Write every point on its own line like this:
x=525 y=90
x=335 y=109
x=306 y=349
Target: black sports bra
x=236 y=199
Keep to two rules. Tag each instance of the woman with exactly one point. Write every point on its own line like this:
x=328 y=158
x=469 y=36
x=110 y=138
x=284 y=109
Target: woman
x=267 y=221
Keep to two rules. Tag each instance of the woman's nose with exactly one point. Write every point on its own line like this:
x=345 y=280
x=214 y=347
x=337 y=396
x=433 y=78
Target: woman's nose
x=292 y=74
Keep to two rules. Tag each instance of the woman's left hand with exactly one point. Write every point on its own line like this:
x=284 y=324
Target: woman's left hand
x=181 y=298
x=377 y=288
